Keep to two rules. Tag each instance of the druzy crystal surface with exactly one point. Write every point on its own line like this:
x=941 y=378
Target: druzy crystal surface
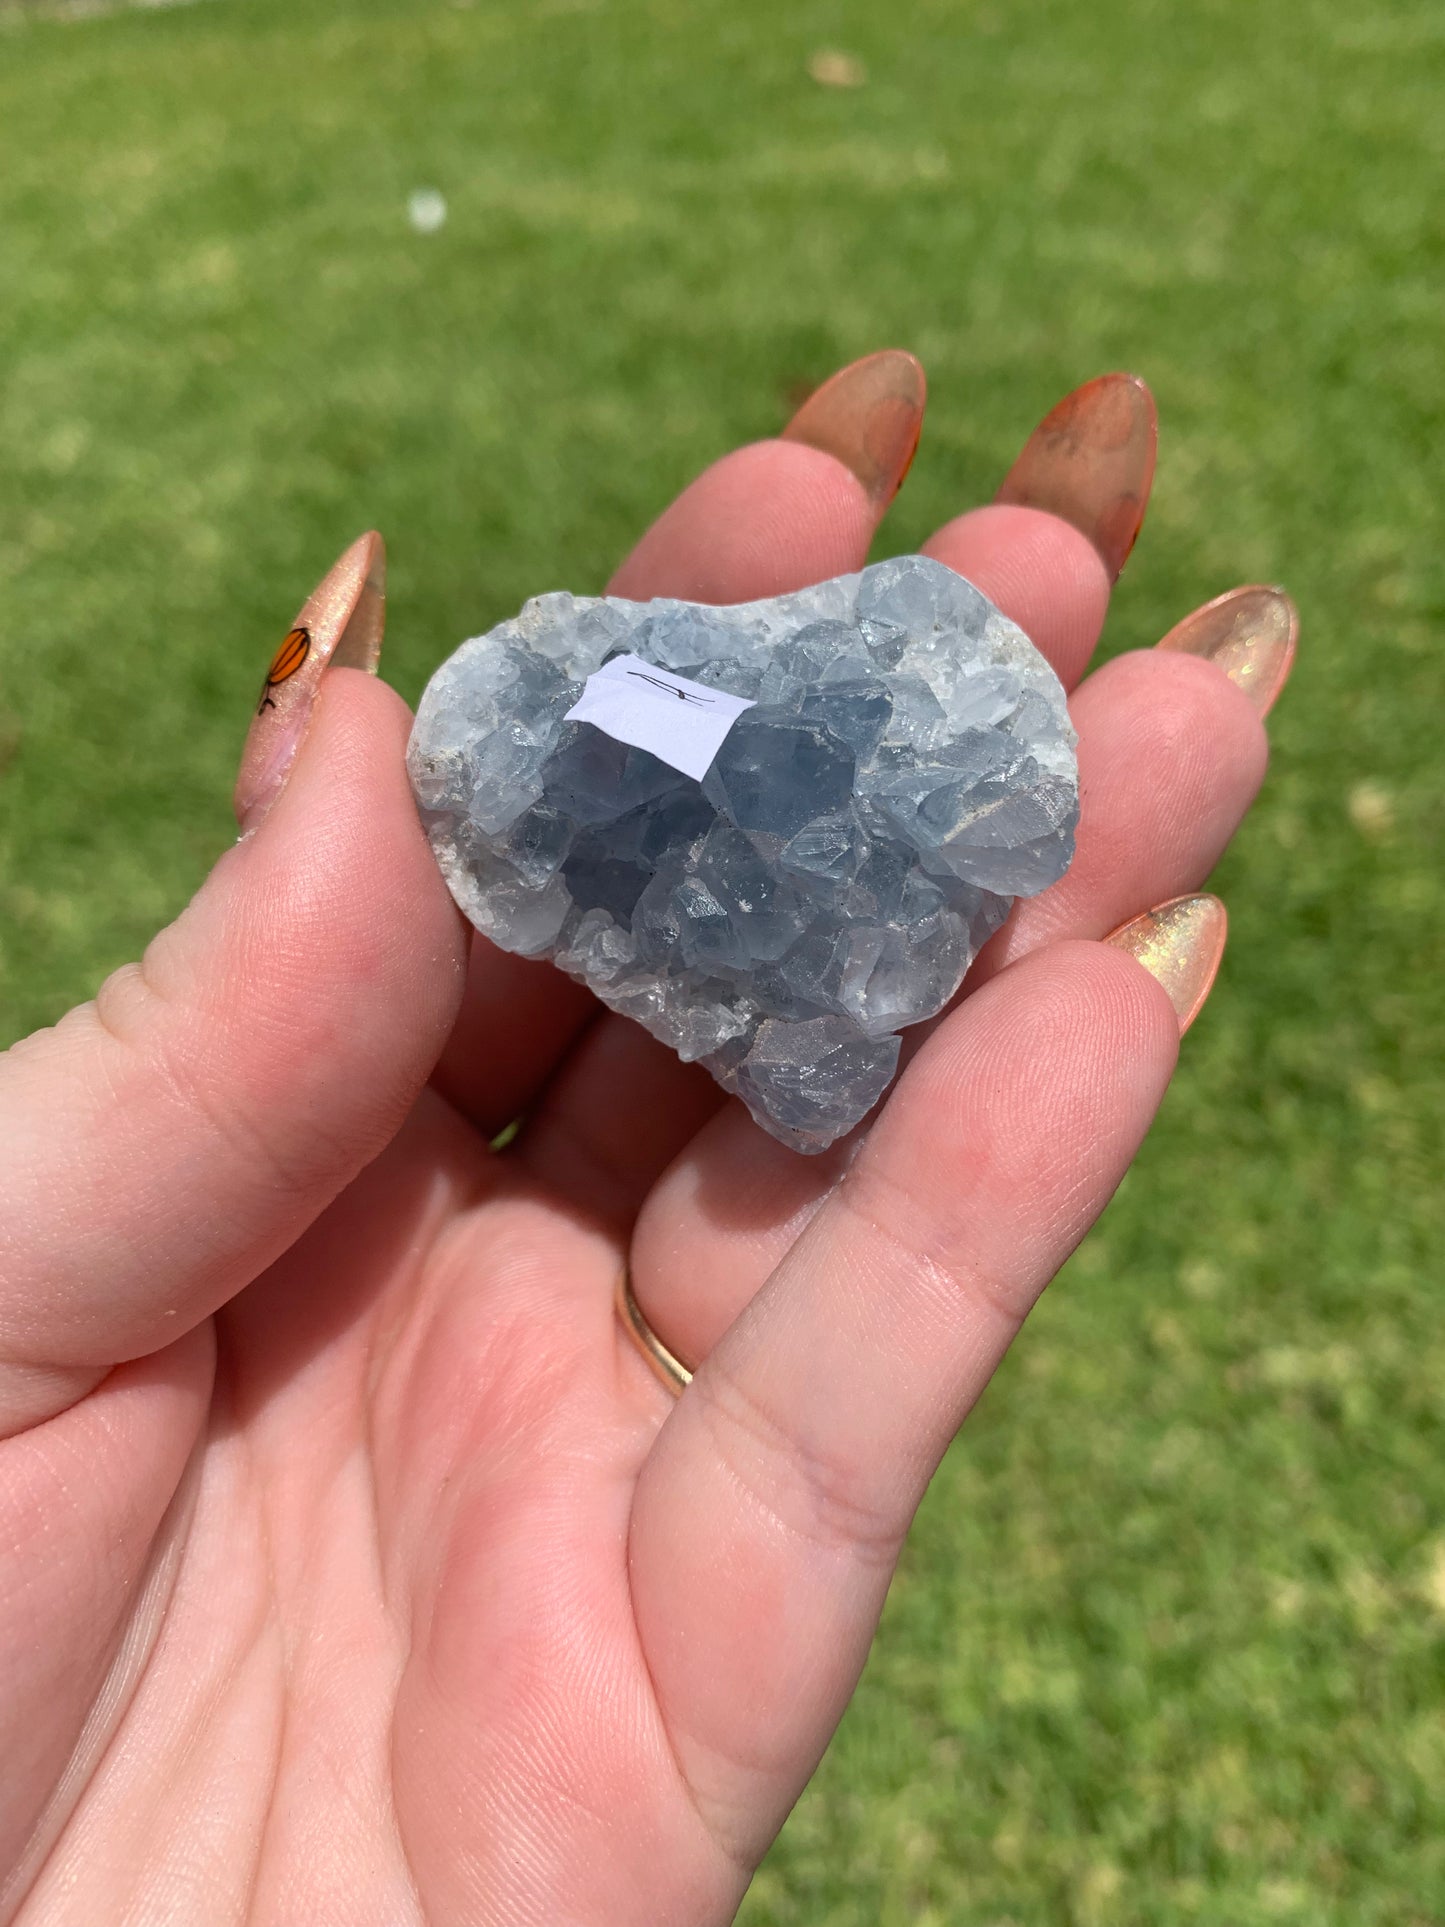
x=904 y=770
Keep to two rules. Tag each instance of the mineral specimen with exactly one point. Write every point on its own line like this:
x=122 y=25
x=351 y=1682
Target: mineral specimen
x=784 y=834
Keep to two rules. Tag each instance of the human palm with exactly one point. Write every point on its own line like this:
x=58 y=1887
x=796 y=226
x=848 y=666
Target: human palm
x=359 y=1567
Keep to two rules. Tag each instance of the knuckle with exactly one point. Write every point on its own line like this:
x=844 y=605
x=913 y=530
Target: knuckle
x=169 y=1057
x=812 y=1491
x=926 y=1242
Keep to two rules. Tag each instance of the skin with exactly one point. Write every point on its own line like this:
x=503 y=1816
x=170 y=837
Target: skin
x=356 y=1567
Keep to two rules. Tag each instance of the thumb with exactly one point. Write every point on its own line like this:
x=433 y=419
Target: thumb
x=163 y=1144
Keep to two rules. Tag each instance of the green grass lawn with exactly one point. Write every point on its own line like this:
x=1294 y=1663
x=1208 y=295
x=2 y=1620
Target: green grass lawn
x=1169 y=1641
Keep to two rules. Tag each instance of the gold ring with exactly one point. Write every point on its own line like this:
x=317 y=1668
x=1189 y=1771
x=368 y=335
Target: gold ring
x=670 y=1370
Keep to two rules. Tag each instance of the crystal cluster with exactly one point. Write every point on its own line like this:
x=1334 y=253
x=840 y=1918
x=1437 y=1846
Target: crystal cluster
x=906 y=769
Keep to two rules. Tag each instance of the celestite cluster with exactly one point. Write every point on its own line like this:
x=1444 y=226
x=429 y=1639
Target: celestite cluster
x=906 y=769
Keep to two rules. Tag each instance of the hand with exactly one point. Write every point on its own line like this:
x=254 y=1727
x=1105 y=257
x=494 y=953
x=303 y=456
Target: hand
x=356 y=1568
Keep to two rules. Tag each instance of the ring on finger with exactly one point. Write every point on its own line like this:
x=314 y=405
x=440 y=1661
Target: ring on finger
x=665 y=1365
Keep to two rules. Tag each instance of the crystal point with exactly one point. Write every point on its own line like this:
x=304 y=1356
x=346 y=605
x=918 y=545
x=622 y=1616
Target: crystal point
x=901 y=769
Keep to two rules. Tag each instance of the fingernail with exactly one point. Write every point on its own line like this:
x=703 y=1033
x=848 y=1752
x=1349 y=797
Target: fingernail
x=1180 y=943
x=340 y=624
x=1091 y=461
x=870 y=415
x=1251 y=633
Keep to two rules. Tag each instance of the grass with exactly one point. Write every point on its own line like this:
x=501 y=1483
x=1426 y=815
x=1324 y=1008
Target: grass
x=1169 y=1642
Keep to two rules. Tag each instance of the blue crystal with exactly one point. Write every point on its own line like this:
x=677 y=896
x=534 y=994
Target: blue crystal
x=907 y=769
x=776 y=772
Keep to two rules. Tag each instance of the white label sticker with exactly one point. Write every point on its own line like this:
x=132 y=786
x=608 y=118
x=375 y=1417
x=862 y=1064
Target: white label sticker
x=635 y=702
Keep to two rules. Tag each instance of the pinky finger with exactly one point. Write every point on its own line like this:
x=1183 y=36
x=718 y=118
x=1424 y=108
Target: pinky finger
x=771 y=1511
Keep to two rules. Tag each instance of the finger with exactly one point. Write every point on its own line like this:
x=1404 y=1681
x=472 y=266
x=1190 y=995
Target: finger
x=93 y=1498
x=340 y=626
x=1251 y=634
x=1091 y=462
x=767 y=518
x=769 y=1514
x=1064 y=520
x=618 y=1112
x=1043 y=570
x=519 y=1017
x=1040 y=571
x=1171 y=755
x=163 y=1144
x=778 y=515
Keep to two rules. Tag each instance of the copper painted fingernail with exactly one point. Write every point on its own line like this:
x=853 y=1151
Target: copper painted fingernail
x=1091 y=461
x=340 y=624
x=1251 y=633
x=1180 y=943
x=870 y=415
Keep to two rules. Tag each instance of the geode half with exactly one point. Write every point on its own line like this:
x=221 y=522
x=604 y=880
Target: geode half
x=897 y=767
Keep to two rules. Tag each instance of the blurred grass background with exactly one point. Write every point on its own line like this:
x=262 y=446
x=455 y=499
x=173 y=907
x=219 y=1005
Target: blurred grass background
x=1169 y=1641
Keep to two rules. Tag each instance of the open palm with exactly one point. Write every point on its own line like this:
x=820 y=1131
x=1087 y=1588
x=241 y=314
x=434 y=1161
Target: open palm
x=355 y=1566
